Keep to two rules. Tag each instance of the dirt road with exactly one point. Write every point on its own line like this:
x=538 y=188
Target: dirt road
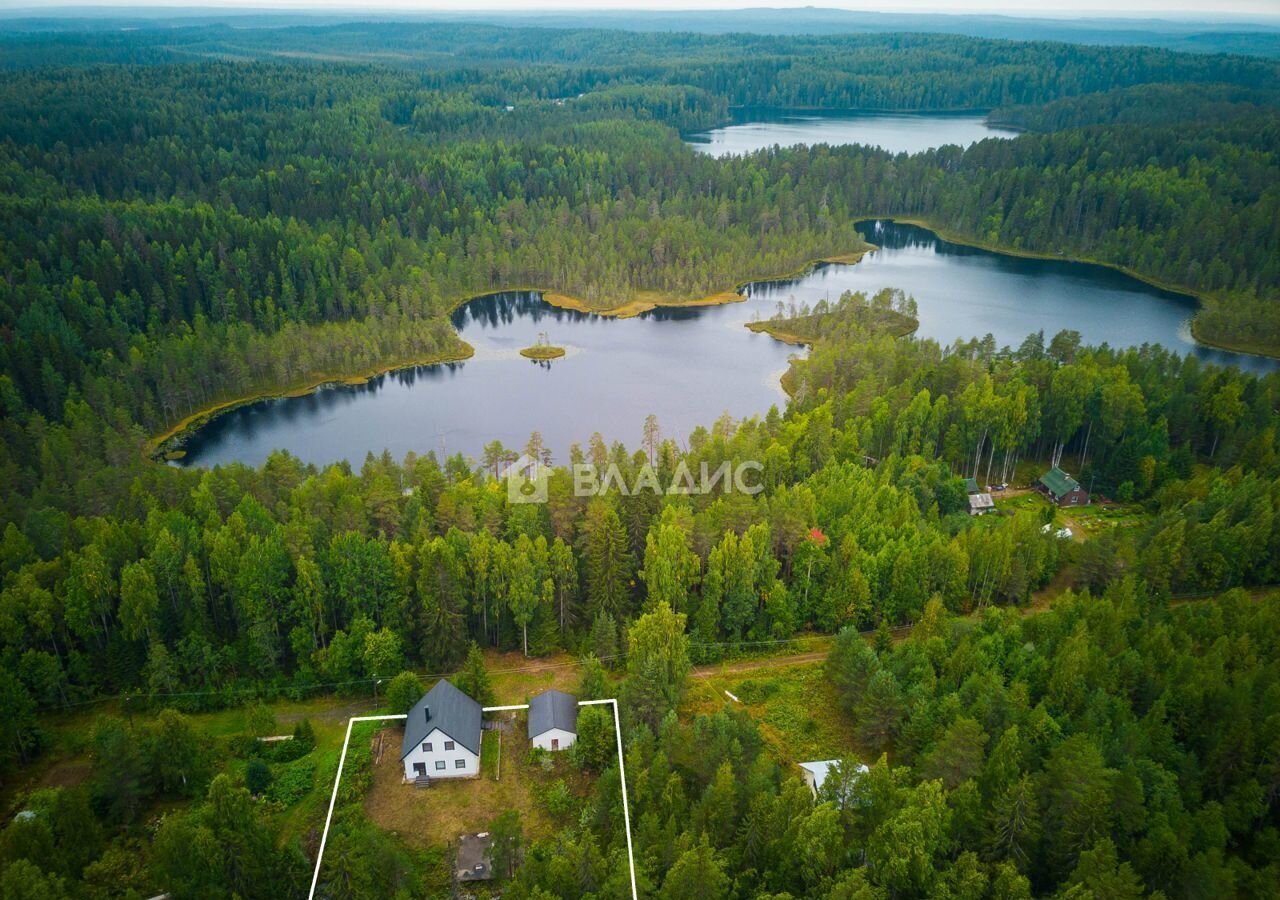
x=746 y=665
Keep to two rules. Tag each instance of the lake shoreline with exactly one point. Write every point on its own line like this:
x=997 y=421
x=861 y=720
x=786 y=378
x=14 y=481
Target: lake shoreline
x=645 y=301
x=775 y=328
x=1200 y=297
x=167 y=446
x=1247 y=349
x=850 y=112
x=632 y=308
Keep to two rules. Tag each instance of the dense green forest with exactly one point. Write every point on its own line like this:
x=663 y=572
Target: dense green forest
x=291 y=581
x=180 y=231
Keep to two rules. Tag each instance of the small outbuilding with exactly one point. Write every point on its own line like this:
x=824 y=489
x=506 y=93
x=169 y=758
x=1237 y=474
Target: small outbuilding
x=474 y=860
x=815 y=773
x=553 y=720
x=442 y=736
x=980 y=503
x=971 y=486
x=1062 y=489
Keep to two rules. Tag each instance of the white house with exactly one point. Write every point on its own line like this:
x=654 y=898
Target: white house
x=442 y=735
x=815 y=773
x=553 y=720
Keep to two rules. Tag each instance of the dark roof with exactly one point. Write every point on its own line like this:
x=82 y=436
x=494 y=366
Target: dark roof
x=553 y=709
x=447 y=708
x=1059 y=482
x=971 y=485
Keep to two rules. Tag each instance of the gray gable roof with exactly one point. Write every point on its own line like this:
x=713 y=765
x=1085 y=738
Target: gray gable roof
x=553 y=709
x=447 y=708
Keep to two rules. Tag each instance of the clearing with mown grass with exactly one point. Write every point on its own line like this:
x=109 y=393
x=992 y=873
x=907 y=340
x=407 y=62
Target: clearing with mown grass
x=509 y=779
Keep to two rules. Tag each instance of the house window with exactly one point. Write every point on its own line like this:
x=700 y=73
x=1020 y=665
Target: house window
x=439 y=764
x=459 y=763
x=427 y=747
x=448 y=745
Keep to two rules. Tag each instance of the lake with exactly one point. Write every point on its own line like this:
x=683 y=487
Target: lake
x=688 y=366
x=755 y=129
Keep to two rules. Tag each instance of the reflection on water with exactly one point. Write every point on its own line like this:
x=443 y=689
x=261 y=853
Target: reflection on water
x=690 y=365
x=756 y=129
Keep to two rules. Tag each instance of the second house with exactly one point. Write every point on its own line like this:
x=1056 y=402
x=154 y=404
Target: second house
x=553 y=720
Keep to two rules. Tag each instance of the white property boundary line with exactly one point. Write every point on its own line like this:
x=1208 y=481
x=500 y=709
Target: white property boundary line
x=622 y=776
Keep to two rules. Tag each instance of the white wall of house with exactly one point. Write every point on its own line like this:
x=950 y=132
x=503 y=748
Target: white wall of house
x=440 y=761
x=562 y=739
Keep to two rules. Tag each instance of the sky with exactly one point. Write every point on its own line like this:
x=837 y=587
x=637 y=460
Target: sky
x=1173 y=9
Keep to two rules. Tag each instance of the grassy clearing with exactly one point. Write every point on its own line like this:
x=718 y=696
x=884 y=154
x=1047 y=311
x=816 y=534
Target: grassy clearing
x=799 y=713
x=1084 y=521
x=435 y=816
x=1096 y=518
x=516 y=678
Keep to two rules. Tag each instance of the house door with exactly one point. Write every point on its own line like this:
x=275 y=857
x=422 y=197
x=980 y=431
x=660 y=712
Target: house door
x=419 y=769
x=555 y=743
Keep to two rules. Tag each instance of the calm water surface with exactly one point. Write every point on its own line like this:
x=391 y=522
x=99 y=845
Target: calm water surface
x=687 y=365
x=896 y=132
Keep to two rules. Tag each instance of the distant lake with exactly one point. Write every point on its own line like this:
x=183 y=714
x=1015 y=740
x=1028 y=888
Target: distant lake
x=688 y=366
x=755 y=129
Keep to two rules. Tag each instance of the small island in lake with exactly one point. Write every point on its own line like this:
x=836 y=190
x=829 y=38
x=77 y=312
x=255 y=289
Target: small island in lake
x=541 y=352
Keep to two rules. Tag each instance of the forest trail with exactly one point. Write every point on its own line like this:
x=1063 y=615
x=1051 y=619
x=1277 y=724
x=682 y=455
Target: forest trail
x=747 y=665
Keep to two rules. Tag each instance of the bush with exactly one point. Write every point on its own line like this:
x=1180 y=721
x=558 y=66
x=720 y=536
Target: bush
x=357 y=776
x=293 y=783
x=287 y=751
x=257 y=777
x=751 y=691
x=403 y=691
x=540 y=758
x=303 y=733
x=473 y=680
x=260 y=720
x=244 y=746
x=556 y=799
x=595 y=744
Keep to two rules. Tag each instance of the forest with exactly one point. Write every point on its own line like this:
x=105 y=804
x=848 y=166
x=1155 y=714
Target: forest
x=181 y=231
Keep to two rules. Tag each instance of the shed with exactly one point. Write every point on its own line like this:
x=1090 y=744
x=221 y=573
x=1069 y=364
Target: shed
x=553 y=720
x=980 y=503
